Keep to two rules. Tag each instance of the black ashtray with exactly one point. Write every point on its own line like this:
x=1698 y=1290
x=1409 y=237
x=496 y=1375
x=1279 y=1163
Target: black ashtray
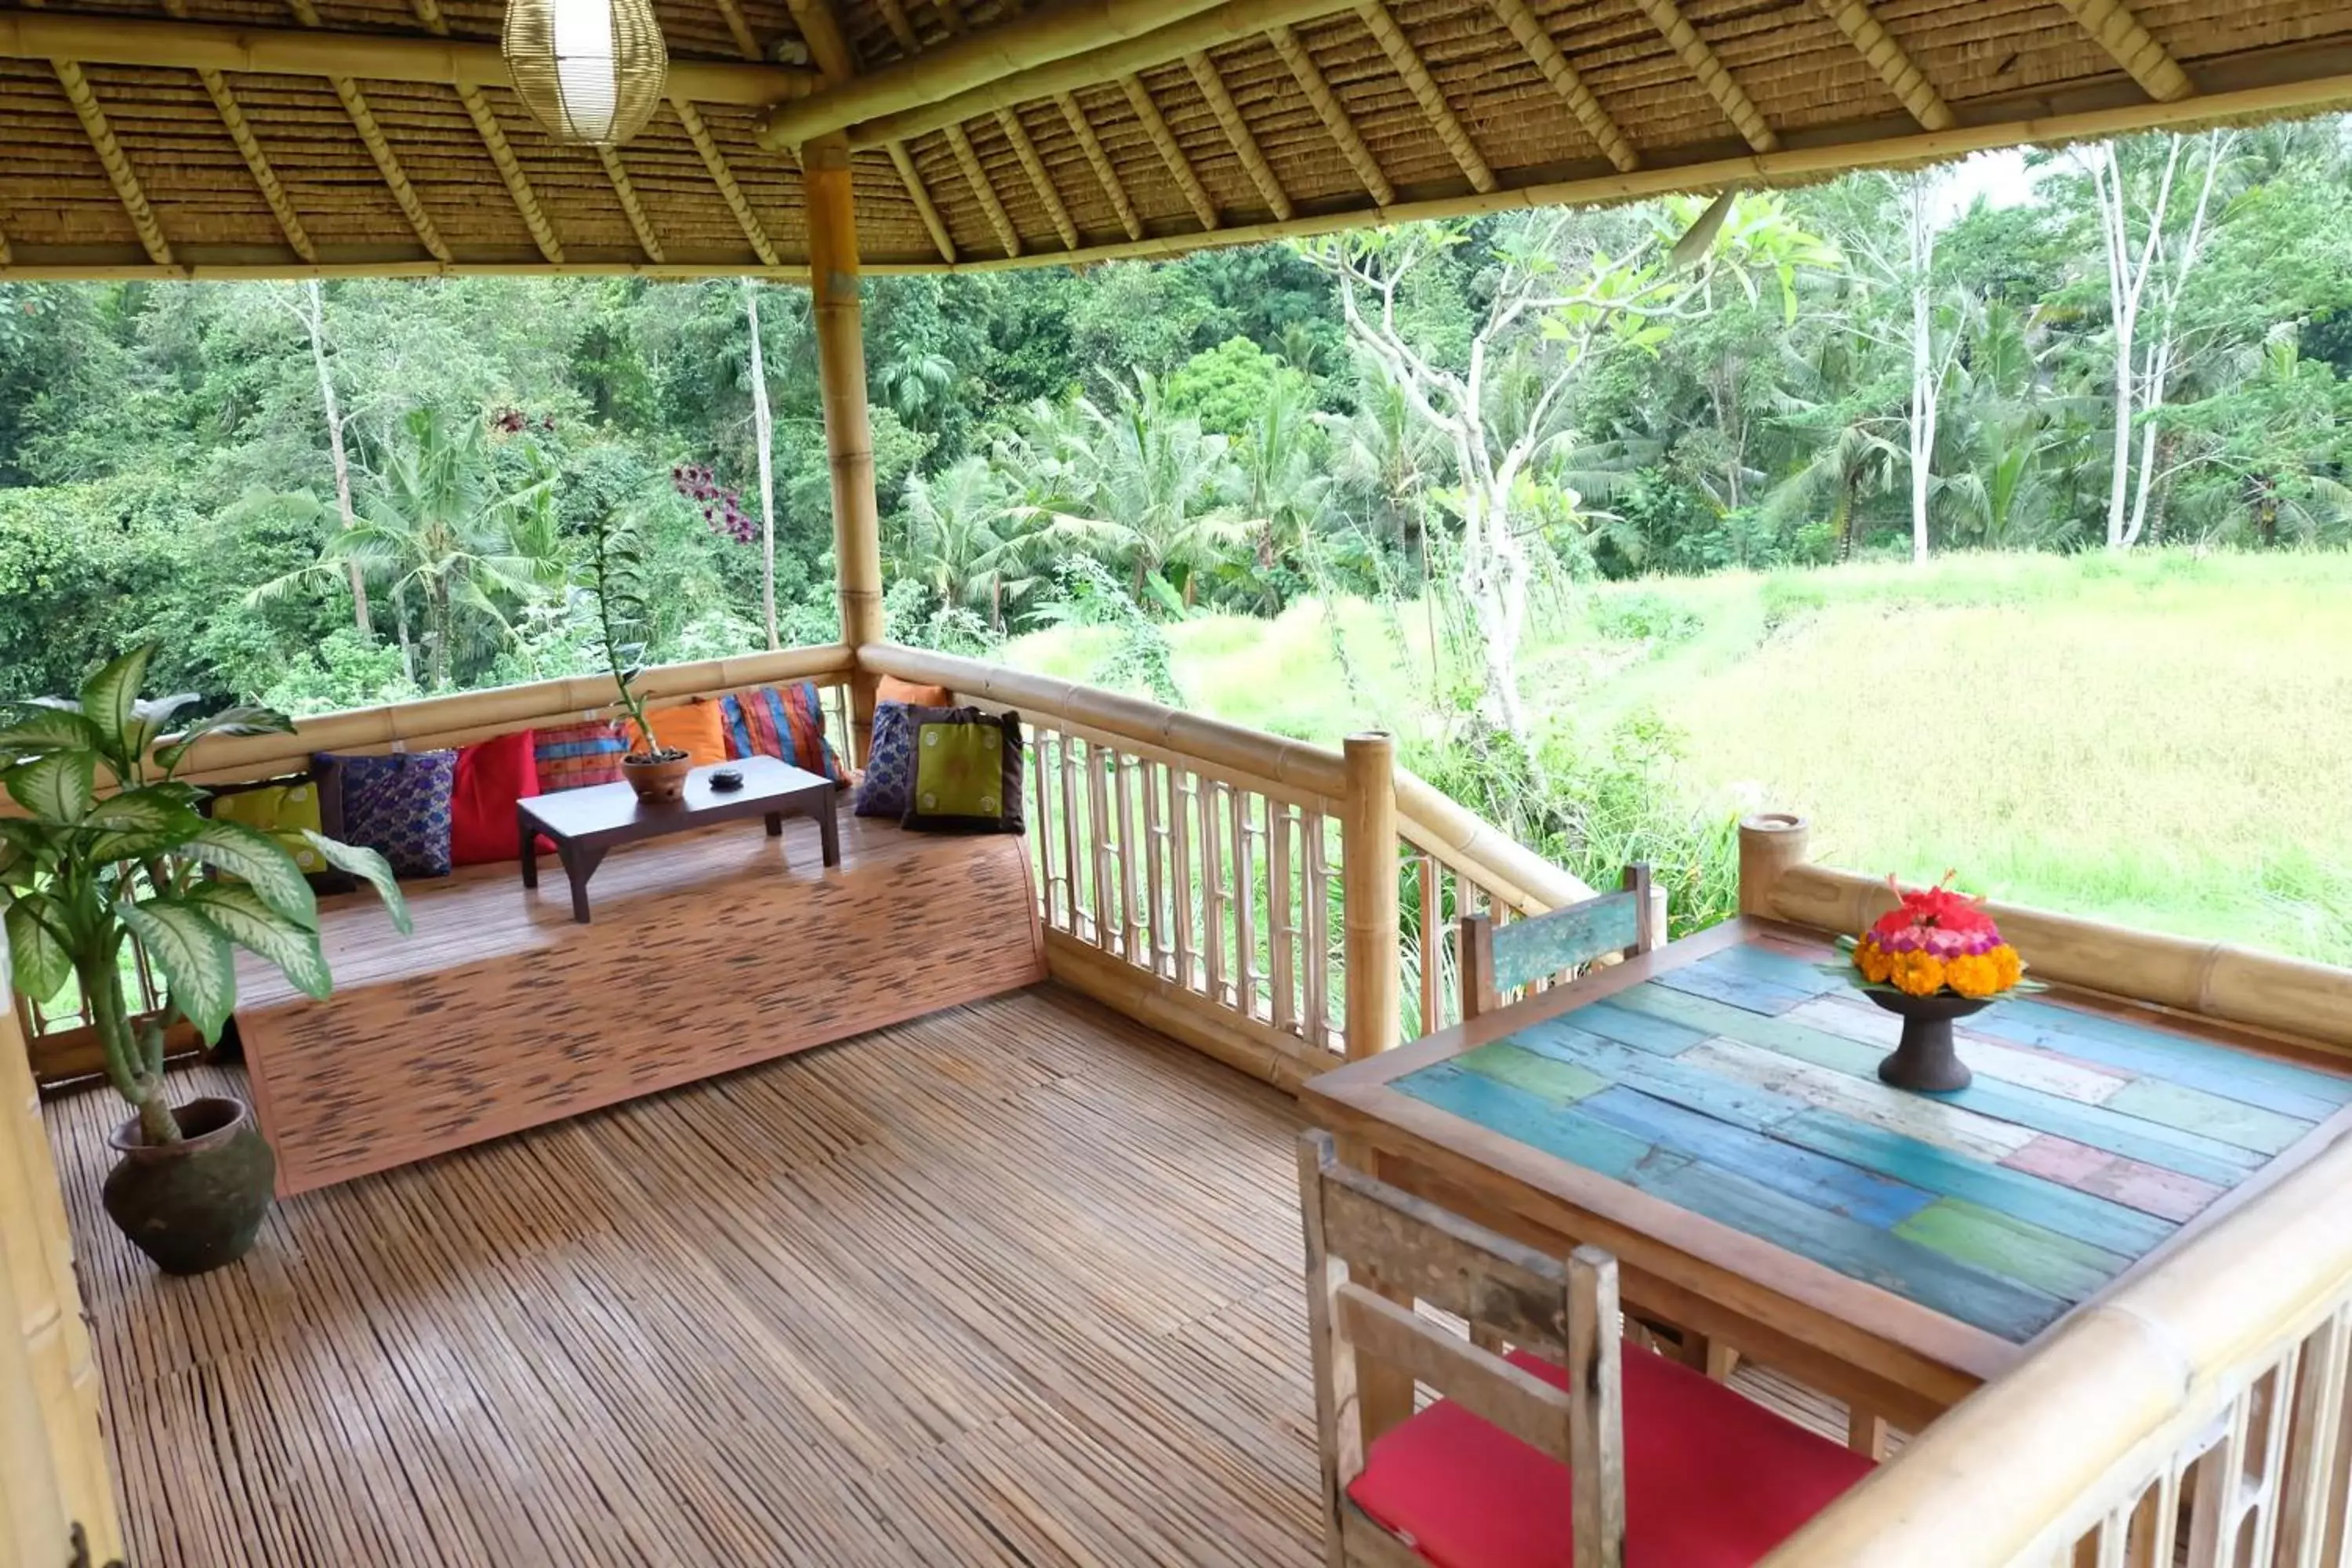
x=726 y=781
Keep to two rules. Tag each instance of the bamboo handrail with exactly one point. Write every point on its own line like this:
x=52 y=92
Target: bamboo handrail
x=2026 y=1465
x=1479 y=850
x=2214 y=980
x=1295 y=764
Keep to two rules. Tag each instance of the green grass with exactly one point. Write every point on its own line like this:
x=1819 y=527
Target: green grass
x=2163 y=740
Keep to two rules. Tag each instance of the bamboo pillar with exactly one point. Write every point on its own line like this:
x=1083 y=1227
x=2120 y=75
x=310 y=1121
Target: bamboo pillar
x=848 y=438
x=1771 y=843
x=53 y=1464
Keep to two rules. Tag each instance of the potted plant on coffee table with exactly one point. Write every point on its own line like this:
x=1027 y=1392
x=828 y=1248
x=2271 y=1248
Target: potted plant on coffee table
x=655 y=772
x=112 y=851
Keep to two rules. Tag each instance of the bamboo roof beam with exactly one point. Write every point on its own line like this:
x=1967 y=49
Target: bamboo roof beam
x=388 y=162
x=116 y=162
x=626 y=192
x=724 y=178
x=1105 y=173
x=1238 y=133
x=1036 y=38
x=1312 y=83
x=1180 y=167
x=257 y=162
x=1529 y=29
x=1699 y=58
x=1432 y=98
x=1229 y=22
x=173 y=44
x=494 y=142
x=2134 y=48
x=1904 y=78
x=1026 y=151
x=747 y=42
x=8 y=256
x=829 y=47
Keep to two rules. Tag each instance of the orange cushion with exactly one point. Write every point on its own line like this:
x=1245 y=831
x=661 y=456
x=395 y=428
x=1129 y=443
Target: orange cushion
x=694 y=729
x=1712 y=1479
x=894 y=689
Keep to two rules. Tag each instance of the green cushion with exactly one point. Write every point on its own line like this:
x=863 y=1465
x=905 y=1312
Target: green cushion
x=967 y=772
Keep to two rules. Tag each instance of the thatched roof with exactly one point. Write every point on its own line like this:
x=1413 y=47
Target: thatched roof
x=219 y=136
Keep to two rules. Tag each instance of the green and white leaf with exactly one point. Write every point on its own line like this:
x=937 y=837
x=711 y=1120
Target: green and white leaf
x=152 y=717
x=39 y=729
x=198 y=968
x=57 y=788
x=142 y=811
x=40 y=961
x=135 y=845
x=253 y=925
x=242 y=720
x=110 y=700
x=369 y=866
x=263 y=862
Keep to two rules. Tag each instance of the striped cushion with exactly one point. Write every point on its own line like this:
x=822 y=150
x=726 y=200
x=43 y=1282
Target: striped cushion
x=573 y=756
x=784 y=722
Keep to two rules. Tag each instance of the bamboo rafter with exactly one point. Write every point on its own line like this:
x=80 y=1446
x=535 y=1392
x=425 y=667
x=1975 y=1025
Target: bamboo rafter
x=1698 y=56
x=1407 y=61
x=116 y=164
x=388 y=162
x=8 y=256
x=1237 y=132
x=1529 y=29
x=494 y=142
x=248 y=147
x=1026 y=151
x=1180 y=167
x=626 y=192
x=747 y=43
x=925 y=208
x=1351 y=143
x=1106 y=174
x=1907 y=82
x=2134 y=48
x=724 y=178
x=976 y=177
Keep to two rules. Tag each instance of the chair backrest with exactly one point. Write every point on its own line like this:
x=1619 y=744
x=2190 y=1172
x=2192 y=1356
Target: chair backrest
x=1496 y=959
x=1371 y=1251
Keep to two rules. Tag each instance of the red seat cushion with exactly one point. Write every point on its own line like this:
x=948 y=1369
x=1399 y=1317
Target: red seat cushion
x=1712 y=1479
x=491 y=776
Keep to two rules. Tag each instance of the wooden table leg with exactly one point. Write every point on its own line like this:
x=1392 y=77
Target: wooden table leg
x=775 y=825
x=828 y=828
x=579 y=864
x=1865 y=1432
x=530 y=837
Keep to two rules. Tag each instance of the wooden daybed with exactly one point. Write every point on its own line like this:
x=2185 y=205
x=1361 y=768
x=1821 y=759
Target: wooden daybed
x=710 y=952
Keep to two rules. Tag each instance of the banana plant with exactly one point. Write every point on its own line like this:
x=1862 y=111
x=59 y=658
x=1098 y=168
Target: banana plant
x=113 y=849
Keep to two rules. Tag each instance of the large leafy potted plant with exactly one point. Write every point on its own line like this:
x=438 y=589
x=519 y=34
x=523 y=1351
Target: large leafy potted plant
x=655 y=772
x=114 y=850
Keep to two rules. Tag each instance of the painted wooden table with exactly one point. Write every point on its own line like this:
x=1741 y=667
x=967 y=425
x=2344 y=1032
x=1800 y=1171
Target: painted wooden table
x=1711 y=1113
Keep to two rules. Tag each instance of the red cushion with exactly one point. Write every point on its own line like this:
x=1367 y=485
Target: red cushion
x=491 y=776
x=1712 y=1479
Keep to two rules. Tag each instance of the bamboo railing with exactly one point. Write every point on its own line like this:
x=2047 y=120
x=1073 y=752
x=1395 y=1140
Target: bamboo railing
x=2199 y=1414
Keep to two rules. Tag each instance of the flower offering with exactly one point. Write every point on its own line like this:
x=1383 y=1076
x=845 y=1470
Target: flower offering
x=1937 y=939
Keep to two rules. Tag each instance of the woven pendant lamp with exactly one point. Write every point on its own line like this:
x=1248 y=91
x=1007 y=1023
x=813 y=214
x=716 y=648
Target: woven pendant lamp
x=590 y=71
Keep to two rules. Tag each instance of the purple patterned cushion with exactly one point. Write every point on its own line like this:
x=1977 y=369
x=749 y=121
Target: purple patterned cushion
x=397 y=805
x=889 y=765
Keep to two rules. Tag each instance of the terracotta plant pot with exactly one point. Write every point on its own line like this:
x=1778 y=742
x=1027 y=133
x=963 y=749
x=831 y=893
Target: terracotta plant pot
x=1925 y=1059
x=659 y=777
x=195 y=1204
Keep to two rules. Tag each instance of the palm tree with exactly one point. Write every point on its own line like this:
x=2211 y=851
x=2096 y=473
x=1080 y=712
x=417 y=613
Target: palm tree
x=1285 y=486
x=439 y=530
x=967 y=542
x=1150 y=484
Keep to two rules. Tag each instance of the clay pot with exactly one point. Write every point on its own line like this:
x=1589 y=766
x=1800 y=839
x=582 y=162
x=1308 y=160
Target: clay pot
x=195 y=1204
x=659 y=777
x=1925 y=1059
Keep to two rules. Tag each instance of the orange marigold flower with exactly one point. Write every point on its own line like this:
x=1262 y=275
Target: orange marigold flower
x=2007 y=965
x=1920 y=973
x=1873 y=960
x=1974 y=975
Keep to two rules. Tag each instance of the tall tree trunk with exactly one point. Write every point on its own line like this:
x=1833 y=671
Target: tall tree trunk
x=765 y=427
x=438 y=608
x=314 y=318
x=1924 y=379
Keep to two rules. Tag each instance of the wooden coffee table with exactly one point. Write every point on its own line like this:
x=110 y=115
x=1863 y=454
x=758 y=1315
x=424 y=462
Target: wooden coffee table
x=586 y=824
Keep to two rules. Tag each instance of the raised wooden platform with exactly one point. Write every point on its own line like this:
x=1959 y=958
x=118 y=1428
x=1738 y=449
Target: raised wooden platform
x=711 y=952
x=1017 y=1282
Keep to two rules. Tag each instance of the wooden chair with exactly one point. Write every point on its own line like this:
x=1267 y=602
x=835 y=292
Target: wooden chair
x=1571 y=1451
x=1495 y=959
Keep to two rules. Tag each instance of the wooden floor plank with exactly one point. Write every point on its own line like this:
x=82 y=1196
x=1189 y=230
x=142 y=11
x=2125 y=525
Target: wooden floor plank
x=1018 y=1283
